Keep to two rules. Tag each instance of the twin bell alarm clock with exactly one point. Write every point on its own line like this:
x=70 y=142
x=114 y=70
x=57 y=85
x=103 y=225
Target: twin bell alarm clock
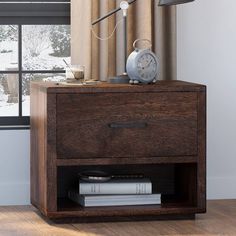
x=142 y=64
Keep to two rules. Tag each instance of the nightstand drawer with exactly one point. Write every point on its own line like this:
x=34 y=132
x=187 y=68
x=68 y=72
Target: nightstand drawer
x=126 y=124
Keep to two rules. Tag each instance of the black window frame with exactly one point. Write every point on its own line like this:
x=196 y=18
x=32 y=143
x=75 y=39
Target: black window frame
x=30 y=14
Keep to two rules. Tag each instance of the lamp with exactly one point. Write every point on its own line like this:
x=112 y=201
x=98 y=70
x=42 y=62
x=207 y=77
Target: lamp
x=173 y=2
x=124 y=6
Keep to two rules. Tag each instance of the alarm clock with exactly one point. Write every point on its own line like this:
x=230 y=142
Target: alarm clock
x=142 y=64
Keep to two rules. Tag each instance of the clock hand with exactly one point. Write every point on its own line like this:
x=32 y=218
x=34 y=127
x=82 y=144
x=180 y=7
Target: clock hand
x=146 y=65
x=149 y=62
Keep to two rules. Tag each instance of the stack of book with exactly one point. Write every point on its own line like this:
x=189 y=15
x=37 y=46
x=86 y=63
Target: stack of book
x=115 y=192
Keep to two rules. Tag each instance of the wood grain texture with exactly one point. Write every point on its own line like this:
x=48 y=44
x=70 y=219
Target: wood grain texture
x=51 y=153
x=160 y=86
x=220 y=219
x=126 y=161
x=152 y=129
x=84 y=125
x=38 y=157
x=201 y=175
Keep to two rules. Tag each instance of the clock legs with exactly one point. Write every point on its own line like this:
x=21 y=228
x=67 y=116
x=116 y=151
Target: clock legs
x=138 y=82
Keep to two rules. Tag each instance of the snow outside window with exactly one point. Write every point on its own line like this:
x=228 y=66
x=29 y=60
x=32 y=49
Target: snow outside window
x=29 y=53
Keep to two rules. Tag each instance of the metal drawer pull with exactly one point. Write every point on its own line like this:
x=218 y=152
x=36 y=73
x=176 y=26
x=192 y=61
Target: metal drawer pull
x=128 y=125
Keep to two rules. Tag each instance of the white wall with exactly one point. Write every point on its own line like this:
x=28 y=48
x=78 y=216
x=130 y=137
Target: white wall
x=14 y=167
x=207 y=54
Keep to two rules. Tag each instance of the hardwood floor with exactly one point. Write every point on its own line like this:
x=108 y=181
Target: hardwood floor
x=25 y=220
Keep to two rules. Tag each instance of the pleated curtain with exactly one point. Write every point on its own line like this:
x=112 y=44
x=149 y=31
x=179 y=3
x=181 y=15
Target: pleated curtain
x=103 y=59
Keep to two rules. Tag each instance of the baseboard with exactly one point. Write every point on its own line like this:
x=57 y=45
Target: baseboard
x=221 y=188
x=14 y=194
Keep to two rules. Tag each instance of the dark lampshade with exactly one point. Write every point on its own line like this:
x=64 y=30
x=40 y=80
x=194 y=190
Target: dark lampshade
x=173 y=2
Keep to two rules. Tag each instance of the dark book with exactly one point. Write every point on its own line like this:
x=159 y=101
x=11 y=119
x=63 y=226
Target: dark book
x=114 y=200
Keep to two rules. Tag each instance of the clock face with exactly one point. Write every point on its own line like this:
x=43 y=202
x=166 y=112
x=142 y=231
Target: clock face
x=147 y=66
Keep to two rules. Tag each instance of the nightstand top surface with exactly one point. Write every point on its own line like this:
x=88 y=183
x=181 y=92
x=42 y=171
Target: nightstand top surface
x=160 y=86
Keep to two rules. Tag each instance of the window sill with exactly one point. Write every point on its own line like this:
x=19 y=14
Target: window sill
x=14 y=127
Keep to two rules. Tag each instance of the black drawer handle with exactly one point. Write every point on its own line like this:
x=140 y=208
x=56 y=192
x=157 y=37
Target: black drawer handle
x=128 y=125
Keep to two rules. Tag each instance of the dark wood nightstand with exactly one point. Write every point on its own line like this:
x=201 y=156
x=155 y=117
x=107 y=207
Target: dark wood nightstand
x=157 y=130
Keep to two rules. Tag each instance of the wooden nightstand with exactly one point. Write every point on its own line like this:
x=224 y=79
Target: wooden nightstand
x=157 y=130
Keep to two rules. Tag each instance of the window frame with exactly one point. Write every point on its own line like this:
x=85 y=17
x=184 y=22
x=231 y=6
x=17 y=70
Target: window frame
x=20 y=121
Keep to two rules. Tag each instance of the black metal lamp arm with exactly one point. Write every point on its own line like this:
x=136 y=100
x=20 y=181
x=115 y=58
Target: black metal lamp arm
x=110 y=13
x=161 y=3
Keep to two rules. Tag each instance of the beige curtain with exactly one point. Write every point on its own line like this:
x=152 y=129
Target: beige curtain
x=103 y=59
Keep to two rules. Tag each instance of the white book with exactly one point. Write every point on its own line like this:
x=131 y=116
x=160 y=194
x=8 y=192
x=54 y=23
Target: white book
x=116 y=186
x=114 y=200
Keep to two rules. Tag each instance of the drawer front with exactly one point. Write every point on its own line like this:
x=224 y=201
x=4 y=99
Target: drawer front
x=126 y=125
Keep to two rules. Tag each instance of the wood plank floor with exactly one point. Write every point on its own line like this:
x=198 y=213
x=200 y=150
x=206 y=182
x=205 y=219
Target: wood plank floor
x=24 y=220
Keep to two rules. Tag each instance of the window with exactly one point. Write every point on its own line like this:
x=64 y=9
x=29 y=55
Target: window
x=34 y=40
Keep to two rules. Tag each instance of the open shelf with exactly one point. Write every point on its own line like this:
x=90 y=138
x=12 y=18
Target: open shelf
x=176 y=182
